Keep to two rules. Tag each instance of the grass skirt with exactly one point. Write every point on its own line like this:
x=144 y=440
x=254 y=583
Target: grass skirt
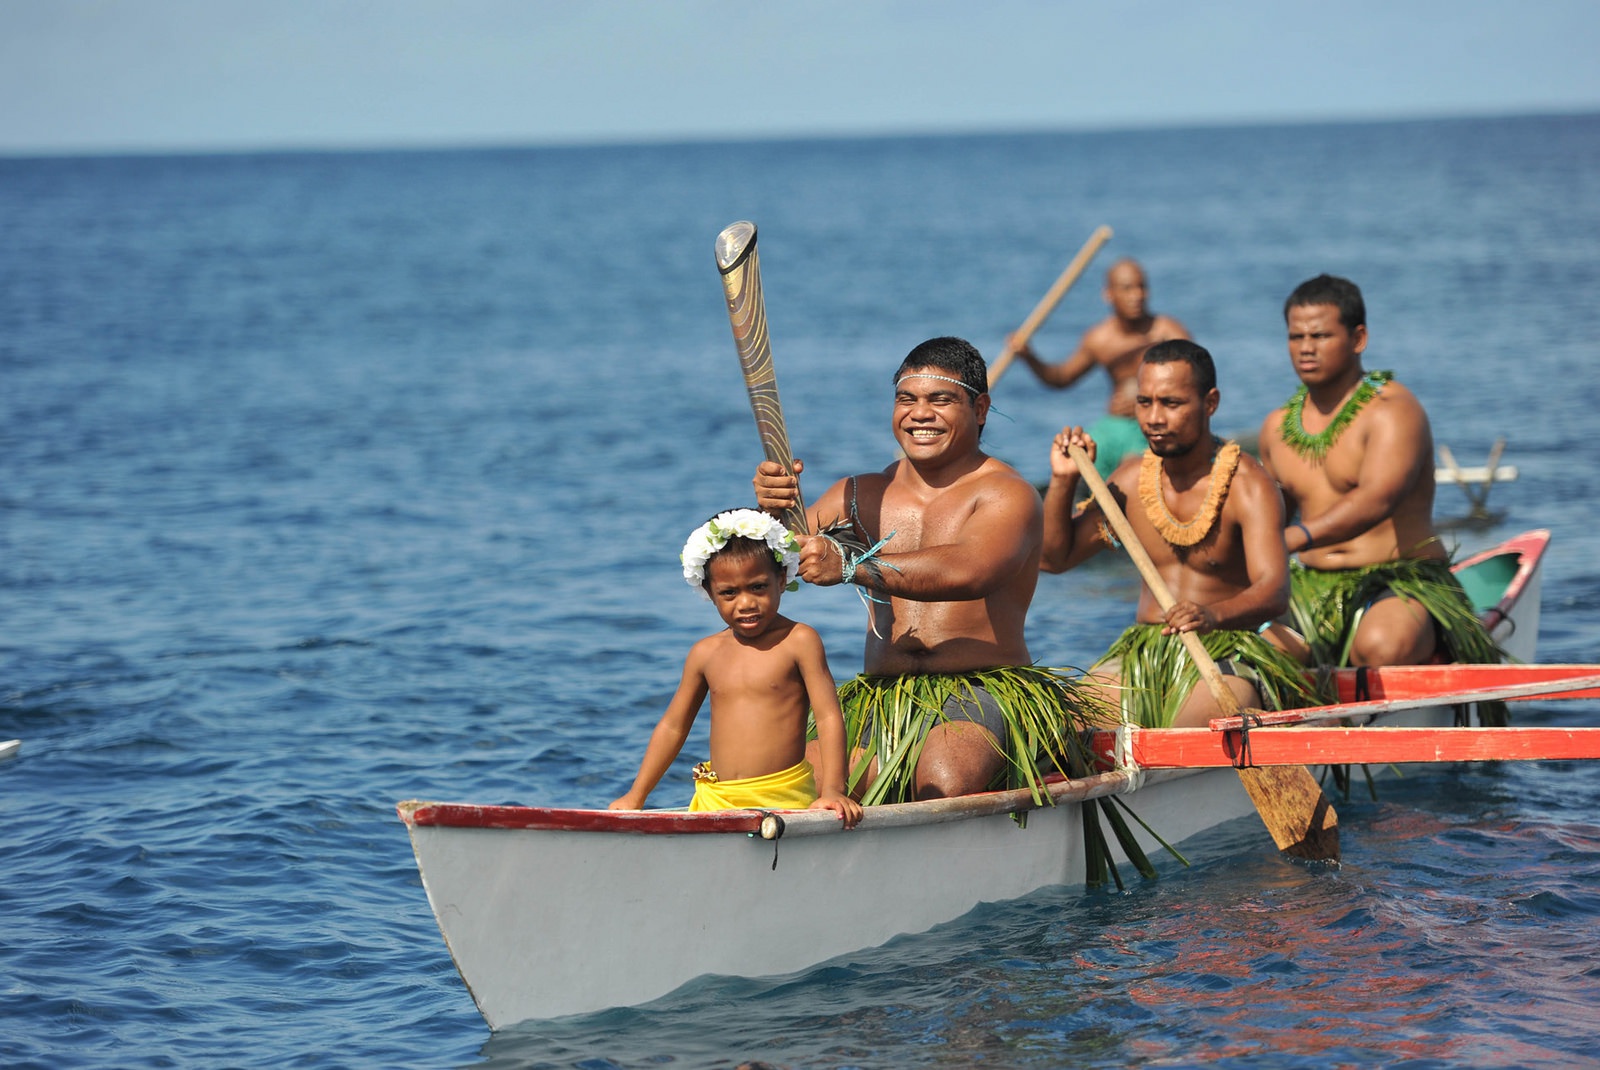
x=888 y=718
x=1158 y=674
x=1326 y=607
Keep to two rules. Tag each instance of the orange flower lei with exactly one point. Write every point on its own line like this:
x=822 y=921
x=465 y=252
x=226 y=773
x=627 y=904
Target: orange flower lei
x=1180 y=532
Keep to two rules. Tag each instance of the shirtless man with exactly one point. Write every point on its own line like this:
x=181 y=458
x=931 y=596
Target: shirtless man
x=949 y=589
x=1353 y=453
x=1211 y=520
x=1115 y=343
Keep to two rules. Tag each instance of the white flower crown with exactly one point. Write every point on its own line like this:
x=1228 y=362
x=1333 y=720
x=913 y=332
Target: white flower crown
x=714 y=534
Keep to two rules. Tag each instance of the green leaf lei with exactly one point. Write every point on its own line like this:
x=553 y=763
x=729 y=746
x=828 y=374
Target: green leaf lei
x=1316 y=446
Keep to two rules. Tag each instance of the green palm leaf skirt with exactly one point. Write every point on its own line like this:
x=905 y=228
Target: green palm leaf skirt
x=887 y=720
x=1045 y=713
x=1326 y=607
x=1157 y=673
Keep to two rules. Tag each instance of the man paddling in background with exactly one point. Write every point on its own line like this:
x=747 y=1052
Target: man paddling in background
x=1115 y=343
x=944 y=545
x=1353 y=453
x=1211 y=520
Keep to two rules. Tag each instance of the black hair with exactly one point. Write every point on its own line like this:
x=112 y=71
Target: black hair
x=1330 y=290
x=955 y=355
x=1196 y=356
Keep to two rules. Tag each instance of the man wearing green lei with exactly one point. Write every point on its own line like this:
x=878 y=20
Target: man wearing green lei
x=1353 y=452
x=1211 y=520
x=943 y=545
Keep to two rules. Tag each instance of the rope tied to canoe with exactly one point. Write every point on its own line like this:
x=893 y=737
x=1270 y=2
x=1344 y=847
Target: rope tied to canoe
x=1122 y=755
x=1243 y=760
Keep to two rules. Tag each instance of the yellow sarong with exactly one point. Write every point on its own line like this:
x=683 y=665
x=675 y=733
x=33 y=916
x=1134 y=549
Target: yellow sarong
x=794 y=788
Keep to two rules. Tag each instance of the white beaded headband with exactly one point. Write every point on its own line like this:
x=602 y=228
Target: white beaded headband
x=941 y=378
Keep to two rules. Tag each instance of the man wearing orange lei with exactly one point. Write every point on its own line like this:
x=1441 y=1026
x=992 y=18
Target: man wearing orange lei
x=1211 y=520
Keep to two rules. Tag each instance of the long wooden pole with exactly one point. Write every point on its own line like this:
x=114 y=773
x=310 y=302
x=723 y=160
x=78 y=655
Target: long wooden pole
x=1047 y=304
x=1287 y=797
x=747 y=312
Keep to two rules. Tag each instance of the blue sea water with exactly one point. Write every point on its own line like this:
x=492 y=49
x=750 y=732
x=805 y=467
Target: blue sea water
x=332 y=480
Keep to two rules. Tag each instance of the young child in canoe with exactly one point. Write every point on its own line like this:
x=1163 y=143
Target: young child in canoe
x=762 y=673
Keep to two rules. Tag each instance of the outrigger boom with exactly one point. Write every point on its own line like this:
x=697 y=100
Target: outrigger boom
x=1204 y=748
x=1249 y=740
x=1551 y=682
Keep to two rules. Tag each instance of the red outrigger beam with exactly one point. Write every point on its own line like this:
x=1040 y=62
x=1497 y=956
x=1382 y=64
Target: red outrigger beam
x=1201 y=748
x=1258 y=739
x=1414 y=687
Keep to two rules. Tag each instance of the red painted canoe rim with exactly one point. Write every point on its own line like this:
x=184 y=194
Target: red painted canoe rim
x=418 y=814
x=469 y=815
x=1529 y=547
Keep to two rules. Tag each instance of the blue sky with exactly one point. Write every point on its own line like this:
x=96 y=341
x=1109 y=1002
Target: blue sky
x=156 y=75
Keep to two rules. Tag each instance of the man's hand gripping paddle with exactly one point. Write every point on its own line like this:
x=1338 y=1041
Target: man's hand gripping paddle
x=1287 y=797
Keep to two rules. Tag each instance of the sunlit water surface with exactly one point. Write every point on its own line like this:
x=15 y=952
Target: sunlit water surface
x=332 y=480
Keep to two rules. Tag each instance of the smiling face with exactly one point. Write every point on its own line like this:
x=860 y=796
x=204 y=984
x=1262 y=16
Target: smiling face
x=1173 y=414
x=746 y=589
x=935 y=418
x=1325 y=352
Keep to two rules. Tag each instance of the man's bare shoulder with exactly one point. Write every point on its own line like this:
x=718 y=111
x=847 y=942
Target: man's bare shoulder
x=1251 y=477
x=868 y=485
x=876 y=480
x=1393 y=420
x=1105 y=339
x=1397 y=400
x=1125 y=477
x=1272 y=425
x=1165 y=329
x=998 y=477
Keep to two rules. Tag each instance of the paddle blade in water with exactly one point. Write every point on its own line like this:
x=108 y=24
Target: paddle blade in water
x=1295 y=811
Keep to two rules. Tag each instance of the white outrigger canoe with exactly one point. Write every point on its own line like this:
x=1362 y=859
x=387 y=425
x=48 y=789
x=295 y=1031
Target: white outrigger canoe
x=549 y=912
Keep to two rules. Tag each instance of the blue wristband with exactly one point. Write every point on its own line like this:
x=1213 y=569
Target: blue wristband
x=1307 y=532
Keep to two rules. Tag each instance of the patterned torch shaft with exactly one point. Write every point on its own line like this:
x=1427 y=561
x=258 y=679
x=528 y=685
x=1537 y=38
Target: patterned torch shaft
x=747 y=312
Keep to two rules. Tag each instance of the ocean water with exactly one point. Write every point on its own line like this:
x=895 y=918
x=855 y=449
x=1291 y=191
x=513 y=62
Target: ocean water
x=332 y=480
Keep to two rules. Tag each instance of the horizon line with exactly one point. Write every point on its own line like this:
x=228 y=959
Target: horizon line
x=685 y=139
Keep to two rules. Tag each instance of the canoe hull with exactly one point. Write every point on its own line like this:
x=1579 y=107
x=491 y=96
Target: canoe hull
x=543 y=923
x=552 y=912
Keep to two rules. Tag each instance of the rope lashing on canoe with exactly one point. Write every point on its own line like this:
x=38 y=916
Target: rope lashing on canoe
x=1341 y=772
x=1122 y=756
x=771 y=828
x=853 y=553
x=1242 y=760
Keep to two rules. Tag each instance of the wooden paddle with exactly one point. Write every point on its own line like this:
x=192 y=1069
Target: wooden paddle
x=1047 y=304
x=747 y=312
x=1287 y=797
